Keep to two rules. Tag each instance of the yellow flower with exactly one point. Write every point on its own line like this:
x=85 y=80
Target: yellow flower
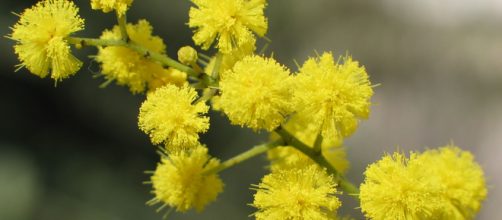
x=130 y=68
x=169 y=117
x=460 y=178
x=300 y=194
x=182 y=180
x=232 y=22
x=227 y=62
x=438 y=184
x=120 y=6
x=40 y=38
x=333 y=96
x=398 y=188
x=255 y=93
x=287 y=157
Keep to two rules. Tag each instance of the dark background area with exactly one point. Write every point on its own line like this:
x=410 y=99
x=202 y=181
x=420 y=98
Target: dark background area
x=74 y=151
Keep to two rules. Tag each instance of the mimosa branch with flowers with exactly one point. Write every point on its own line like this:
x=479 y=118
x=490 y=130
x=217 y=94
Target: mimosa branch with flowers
x=308 y=114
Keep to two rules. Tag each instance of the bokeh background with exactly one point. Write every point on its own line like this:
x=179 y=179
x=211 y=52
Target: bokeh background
x=73 y=151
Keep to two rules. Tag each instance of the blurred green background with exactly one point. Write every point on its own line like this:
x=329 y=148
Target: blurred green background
x=74 y=151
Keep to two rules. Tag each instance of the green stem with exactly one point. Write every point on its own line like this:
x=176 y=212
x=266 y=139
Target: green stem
x=206 y=57
x=318 y=143
x=207 y=94
x=165 y=60
x=122 y=20
x=95 y=42
x=254 y=151
x=317 y=157
x=210 y=92
x=216 y=69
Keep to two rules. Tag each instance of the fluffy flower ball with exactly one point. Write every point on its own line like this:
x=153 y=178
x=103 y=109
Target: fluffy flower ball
x=120 y=6
x=437 y=184
x=301 y=194
x=130 y=68
x=232 y=22
x=460 y=179
x=182 y=180
x=169 y=116
x=40 y=38
x=255 y=93
x=396 y=187
x=332 y=95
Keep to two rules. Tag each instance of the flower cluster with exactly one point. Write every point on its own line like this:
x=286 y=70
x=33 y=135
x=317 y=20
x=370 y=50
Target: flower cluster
x=308 y=112
x=183 y=179
x=255 y=93
x=232 y=22
x=169 y=117
x=258 y=93
x=444 y=183
x=333 y=95
x=40 y=36
x=303 y=193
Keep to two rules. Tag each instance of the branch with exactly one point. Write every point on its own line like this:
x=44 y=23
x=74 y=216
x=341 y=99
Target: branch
x=122 y=20
x=318 y=143
x=317 y=157
x=162 y=58
x=255 y=151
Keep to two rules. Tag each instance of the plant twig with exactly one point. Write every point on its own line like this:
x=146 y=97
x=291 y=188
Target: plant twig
x=161 y=58
x=318 y=143
x=122 y=20
x=254 y=151
x=317 y=157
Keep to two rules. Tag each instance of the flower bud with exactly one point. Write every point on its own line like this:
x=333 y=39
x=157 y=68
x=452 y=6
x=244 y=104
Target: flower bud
x=187 y=55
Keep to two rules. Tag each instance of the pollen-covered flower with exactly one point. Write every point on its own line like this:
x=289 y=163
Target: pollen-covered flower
x=255 y=93
x=183 y=180
x=128 y=67
x=287 y=157
x=169 y=116
x=460 y=178
x=399 y=188
x=438 y=184
x=120 y=6
x=232 y=22
x=40 y=38
x=227 y=63
x=332 y=95
x=306 y=193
